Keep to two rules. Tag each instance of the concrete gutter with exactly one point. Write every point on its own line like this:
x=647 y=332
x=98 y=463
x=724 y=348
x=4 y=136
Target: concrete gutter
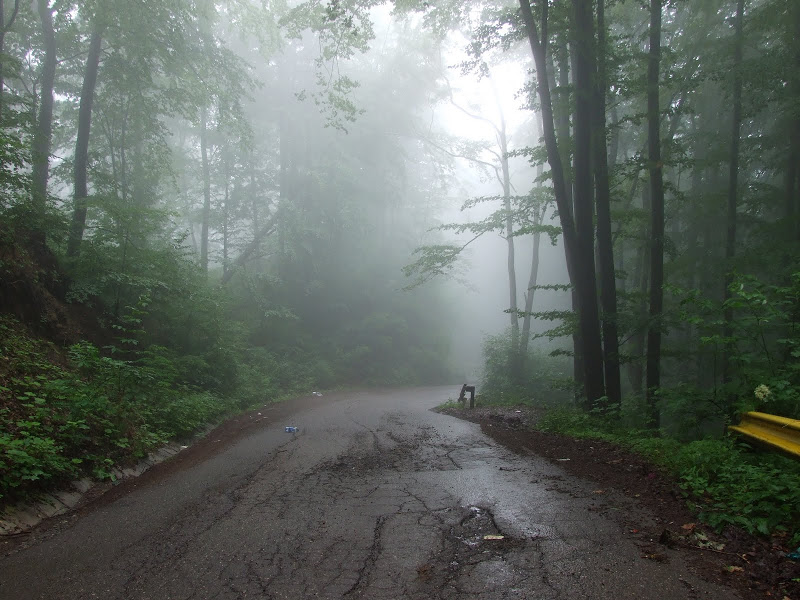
x=22 y=517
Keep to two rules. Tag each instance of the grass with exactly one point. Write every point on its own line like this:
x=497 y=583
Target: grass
x=725 y=481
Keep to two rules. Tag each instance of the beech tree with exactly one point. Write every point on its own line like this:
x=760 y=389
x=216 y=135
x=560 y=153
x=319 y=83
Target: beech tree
x=44 y=125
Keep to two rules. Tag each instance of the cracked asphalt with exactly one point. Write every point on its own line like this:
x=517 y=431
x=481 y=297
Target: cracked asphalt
x=376 y=497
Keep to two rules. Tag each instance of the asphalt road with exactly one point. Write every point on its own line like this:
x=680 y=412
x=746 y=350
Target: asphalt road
x=376 y=497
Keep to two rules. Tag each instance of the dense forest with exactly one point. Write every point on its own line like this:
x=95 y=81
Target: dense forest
x=207 y=205
x=199 y=218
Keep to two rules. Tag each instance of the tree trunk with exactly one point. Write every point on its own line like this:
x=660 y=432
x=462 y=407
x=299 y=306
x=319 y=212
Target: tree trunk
x=653 y=379
x=534 y=272
x=792 y=202
x=283 y=185
x=254 y=192
x=592 y=372
x=561 y=116
x=561 y=112
x=613 y=149
x=226 y=219
x=551 y=144
x=605 y=248
x=525 y=337
x=206 y=215
x=515 y=356
x=641 y=285
x=81 y=165
x=733 y=184
x=4 y=29
x=42 y=138
x=584 y=200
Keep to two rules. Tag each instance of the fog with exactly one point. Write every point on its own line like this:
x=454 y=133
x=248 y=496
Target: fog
x=588 y=209
x=319 y=194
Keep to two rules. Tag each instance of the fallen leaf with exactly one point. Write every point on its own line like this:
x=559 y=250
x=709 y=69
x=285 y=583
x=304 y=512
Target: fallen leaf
x=655 y=556
x=733 y=569
x=689 y=526
x=493 y=536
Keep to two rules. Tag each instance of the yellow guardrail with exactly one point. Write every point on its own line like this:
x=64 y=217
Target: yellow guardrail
x=779 y=433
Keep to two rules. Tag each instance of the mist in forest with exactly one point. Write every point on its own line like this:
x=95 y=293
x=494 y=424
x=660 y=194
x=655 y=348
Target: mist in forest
x=253 y=199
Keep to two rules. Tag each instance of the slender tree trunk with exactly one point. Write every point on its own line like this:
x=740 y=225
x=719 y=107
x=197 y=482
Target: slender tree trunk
x=792 y=201
x=584 y=200
x=515 y=356
x=529 y=295
x=533 y=277
x=44 y=130
x=560 y=189
x=553 y=157
x=226 y=218
x=561 y=112
x=4 y=29
x=81 y=166
x=608 y=283
x=641 y=285
x=613 y=149
x=693 y=253
x=206 y=216
x=733 y=184
x=254 y=193
x=619 y=239
x=653 y=379
x=561 y=116
x=283 y=184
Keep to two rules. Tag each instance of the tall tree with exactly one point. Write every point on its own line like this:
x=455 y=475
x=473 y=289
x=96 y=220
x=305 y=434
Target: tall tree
x=605 y=245
x=81 y=164
x=206 y=168
x=655 y=166
x=580 y=277
x=733 y=181
x=792 y=200
x=42 y=139
x=5 y=27
x=539 y=214
x=584 y=61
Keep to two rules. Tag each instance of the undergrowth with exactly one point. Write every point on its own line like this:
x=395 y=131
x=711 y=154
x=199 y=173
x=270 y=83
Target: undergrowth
x=725 y=482
x=65 y=415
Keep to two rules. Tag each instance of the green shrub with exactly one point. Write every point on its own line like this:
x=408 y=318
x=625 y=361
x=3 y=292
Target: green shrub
x=88 y=415
x=186 y=412
x=28 y=459
x=540 y=377
x=729 y=486
x=725 y=483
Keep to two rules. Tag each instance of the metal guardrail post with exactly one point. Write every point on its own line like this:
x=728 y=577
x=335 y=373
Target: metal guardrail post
x=462 y=397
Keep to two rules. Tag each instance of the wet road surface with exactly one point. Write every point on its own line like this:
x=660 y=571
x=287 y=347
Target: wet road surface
x=376 y=497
